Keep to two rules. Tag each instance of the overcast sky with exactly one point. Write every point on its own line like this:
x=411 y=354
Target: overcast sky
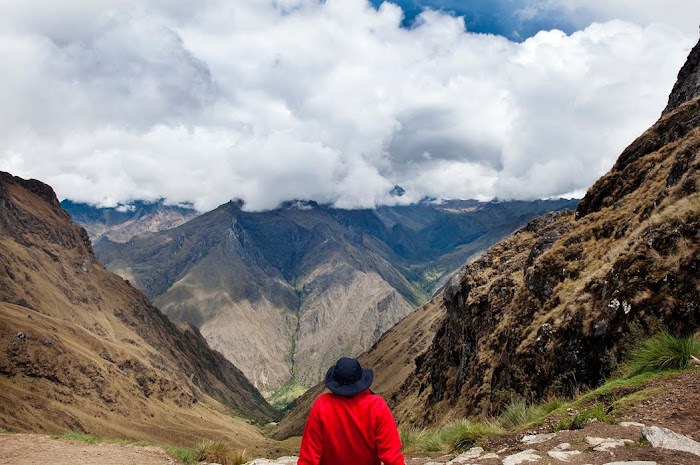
x=337 y=101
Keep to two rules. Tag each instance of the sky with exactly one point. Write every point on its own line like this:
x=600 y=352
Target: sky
x=335 y=101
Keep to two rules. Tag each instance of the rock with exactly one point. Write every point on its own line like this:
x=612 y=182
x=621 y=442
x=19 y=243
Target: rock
x=560 y=452
x=694 y=360
x=688 y=83
x=537 y=438
x=524 y=456
x=603 y=444
x=628 y=424
x=488 y=456
x=667 y=439
x=564 y=456
x=462 y=458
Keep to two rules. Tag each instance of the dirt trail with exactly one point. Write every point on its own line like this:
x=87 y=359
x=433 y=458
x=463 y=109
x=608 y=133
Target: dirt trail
x=30 y=449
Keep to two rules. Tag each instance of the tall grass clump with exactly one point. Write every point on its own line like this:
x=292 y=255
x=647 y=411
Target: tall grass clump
x=514 y=415
x=411 y=439
x=219 y=452
x=457 y=436
x=518 y=413
x=463 y=434
x=662 y=352
x=435 y=441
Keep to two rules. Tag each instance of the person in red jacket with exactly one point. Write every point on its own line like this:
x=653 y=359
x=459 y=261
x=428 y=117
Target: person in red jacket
x=350 y=425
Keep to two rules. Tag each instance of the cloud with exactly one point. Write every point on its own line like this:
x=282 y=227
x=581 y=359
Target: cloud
x=332 y=101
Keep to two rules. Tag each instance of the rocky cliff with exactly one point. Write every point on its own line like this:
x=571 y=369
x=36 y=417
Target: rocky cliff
x=552 y=309
x=82 y=350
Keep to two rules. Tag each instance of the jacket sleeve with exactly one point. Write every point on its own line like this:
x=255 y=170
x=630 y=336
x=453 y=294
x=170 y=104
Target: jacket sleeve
x=312 y=439
x=387 y=437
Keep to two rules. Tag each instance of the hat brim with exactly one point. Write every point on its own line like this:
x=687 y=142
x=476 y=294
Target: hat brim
x=360 y=385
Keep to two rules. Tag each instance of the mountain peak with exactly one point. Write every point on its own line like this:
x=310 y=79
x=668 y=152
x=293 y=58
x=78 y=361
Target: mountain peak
x=687 y=85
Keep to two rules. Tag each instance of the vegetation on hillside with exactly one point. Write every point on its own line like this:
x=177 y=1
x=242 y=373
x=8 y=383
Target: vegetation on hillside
x=660 y=355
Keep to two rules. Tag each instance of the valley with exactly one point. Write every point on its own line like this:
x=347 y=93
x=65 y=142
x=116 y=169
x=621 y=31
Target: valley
x=284 y=293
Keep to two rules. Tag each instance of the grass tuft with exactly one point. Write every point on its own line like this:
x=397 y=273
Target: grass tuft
x=87 y=438
x=90 y=439
x=578 y=421
x=662 y=352
x=411 y=439
x=464 y=434
x=219 y=452
x=518 y=414
x=457 y=436
x=181 y=454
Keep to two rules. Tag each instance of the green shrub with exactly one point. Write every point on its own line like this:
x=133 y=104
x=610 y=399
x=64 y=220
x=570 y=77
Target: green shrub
x=662 y=352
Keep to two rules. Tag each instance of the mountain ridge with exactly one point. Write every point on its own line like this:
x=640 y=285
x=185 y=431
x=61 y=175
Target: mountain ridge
x=82 y=350
x=306 y=275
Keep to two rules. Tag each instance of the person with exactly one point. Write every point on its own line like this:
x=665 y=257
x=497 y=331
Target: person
x=350 y=425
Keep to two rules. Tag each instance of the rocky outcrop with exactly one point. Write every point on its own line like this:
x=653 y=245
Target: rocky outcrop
x=553 y=308
x=687 y=85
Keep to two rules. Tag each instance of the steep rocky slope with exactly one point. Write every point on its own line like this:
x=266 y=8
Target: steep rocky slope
x=82 y=350
x=552 y=308
x=284 y=293
x=121 y=223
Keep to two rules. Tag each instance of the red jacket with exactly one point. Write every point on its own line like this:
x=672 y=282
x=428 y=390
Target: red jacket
x=356 y=430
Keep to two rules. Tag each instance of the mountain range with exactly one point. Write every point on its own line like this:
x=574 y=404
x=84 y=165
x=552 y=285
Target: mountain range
x=284 y=293
x=121 y=223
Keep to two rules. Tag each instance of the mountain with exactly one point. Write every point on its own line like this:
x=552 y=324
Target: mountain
x=82 y=350
x=121 y=223
x=554 y=307
x=284 y=293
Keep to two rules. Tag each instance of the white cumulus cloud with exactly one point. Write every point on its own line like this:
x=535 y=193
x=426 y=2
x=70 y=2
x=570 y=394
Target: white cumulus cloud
x=209 y=100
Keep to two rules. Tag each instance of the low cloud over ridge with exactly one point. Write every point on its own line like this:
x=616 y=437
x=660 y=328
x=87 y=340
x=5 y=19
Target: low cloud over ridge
x=332 y=101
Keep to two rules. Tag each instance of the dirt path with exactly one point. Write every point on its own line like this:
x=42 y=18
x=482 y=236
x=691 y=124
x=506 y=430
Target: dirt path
x=35 y=449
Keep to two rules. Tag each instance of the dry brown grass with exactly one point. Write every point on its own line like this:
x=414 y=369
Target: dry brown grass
x=220 y=452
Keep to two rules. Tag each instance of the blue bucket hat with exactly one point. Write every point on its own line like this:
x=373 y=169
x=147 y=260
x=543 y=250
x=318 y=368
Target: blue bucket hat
x=347 y=377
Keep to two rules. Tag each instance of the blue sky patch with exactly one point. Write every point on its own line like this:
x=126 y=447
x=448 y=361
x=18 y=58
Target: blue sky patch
x=501 y=17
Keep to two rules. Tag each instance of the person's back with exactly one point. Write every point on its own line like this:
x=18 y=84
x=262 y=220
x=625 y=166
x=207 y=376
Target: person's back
x=347 y=427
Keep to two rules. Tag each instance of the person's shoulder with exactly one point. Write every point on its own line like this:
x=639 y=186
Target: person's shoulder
x=376 y=399
x=324 y=398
